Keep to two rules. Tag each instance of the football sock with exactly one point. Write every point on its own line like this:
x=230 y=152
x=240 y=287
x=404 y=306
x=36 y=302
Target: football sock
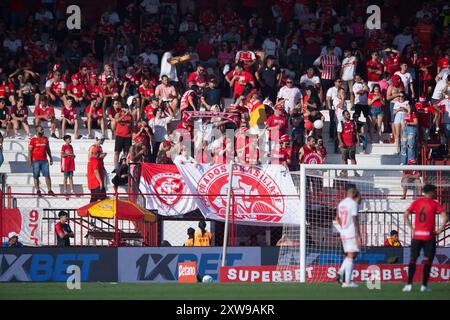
x=411 y=271
x=426 y=272
x=348 y=270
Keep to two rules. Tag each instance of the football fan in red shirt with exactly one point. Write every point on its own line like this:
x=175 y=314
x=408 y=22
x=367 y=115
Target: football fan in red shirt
x=424 y=233
x=238 y=79
x=69 y=118
x=94 y=113
x=19 y=116
x=44 y=113
x=198 y=77
x=67 y=162
x=38 y=149
x=76 y=90
x=55 y=89
x=374 y=70
x=277 y=123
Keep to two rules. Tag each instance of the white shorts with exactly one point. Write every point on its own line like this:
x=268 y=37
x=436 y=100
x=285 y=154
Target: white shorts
x=350 y=245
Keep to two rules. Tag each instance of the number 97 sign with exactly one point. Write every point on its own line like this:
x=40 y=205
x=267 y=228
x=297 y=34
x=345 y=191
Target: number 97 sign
x=25 y=222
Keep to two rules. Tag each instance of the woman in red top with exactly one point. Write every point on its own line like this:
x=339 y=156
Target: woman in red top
x=376 y=102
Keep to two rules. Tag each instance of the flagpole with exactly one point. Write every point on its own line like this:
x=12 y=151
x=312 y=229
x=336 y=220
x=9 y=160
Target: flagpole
x=227 y=215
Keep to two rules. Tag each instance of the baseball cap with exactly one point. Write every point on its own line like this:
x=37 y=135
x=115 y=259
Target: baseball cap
x=93 y=76
x=284 y=138
x=278 y=106
x=12 y=235
x=130 y=100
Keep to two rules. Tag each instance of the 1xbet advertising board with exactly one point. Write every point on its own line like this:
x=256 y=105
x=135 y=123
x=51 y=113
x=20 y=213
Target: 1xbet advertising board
x=50 y=264
x=160 y=264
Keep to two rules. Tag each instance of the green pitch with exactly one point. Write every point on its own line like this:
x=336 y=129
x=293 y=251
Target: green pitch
x=217 y=291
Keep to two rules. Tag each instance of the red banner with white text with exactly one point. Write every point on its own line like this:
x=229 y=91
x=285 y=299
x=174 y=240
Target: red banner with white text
x=26 y=223
x=327 y=273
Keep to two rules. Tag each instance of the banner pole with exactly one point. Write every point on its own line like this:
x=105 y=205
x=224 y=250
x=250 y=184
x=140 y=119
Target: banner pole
x=227 y=214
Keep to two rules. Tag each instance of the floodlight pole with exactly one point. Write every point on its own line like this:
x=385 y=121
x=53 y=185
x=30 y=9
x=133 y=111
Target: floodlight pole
x=227 y=214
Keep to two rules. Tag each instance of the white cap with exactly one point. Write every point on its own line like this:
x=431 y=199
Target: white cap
x=12 y=234
x=130 y=101
x=99 y=135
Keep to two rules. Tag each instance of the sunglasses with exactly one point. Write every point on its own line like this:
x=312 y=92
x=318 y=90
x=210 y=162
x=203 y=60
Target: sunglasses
x=289 y=82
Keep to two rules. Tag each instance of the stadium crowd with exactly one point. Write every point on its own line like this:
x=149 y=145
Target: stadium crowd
x=154 y=71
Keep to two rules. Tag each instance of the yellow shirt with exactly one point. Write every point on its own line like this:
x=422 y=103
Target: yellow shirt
x=202 y=240
x=189 y=243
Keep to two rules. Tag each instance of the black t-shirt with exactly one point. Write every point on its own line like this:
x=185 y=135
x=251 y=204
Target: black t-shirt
x=269 y=75
x=4 y=113
x=212 y=96
x=59 y=227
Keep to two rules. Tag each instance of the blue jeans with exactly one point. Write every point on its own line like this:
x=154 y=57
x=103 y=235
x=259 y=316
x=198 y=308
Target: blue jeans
x=408 y=144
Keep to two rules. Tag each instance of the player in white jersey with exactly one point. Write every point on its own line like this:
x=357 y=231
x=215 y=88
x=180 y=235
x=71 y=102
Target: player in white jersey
x=348 y=226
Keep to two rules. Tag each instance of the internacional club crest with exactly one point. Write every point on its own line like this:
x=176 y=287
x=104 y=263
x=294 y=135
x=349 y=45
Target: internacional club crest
x=169 y=187
x=257 y=197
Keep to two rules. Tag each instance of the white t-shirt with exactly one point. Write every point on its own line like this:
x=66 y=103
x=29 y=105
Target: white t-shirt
x=332 y=93
x=293 y=96
x=348 y=68
x=149 y=58
x=346 y=210
x=440 y=86
x=167 y=68
x=309 y=81
x=339 y=111
x=360 y=98
x=401 y=41
x=159 y=127
x=271 y=47
x=12 y=45
x=444 y=73
x=446 y=102
x=398 y=105
x=406 y=79
x=151 y=6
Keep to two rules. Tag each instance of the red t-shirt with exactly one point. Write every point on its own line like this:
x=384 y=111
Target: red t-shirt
x=146 y=92
x=312 y=49
x=69 y=114
x=348 y=133
x=39 y=148
x=372 y=76
x=76 y=90
x=149 y=112
x=123 y=128
x=39 y=111
x=244 y=77
x=67 y=163
x=392 y=64
x=96 y=112
x=94 y=164
x=93 y=91
x=376 y=103
x=274 y=121
x=196 y=79
x=425 y=219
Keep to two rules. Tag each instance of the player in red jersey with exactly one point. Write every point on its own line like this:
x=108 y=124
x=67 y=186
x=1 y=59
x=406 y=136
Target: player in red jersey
x=424 y=233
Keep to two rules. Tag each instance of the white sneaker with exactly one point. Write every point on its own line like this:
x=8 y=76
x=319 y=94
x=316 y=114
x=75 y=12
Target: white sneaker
x=425 y=289
x=349 y=285
x=407 y=288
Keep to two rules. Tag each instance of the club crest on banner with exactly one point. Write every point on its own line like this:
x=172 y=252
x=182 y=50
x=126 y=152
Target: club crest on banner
x=169 y=187
x=257 y=196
